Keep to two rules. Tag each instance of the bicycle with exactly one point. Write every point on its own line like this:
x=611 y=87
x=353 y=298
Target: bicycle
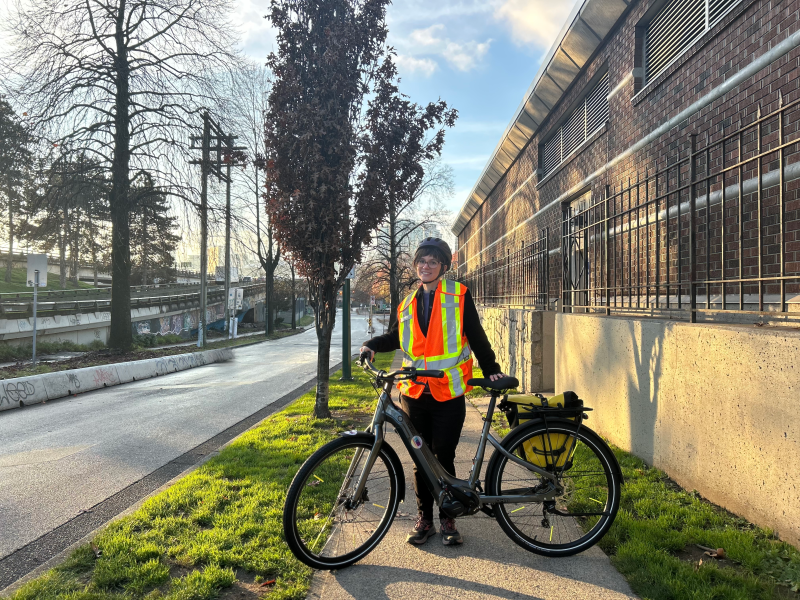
x=345 y=496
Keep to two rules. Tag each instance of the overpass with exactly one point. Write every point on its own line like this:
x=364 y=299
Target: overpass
x=84 y=315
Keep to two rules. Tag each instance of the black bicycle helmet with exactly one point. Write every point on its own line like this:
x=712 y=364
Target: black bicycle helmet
x=441 y=245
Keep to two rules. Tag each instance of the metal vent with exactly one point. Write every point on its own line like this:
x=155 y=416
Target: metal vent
x=677 y=25
x=552 y=153
x=588 y=117
x=597 y=106
x=718 y=8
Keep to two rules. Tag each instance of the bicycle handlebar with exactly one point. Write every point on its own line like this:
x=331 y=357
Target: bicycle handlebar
x=405 y=372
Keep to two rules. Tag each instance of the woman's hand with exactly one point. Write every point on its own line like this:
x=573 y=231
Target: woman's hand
x=364 y=350
x=497 y=376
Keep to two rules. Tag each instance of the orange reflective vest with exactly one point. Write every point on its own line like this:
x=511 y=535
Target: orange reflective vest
x=445 y=346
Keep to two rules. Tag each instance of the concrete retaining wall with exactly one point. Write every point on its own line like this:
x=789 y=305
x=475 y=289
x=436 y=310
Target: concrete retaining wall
x=524 y=345
x=23 y=391
x=714 y=406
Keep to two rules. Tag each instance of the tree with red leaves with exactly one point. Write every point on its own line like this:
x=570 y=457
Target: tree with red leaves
x=334 y=138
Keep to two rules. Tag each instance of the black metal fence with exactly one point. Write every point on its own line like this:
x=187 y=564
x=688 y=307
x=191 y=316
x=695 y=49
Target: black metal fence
x=519 y=278
x=714 y=234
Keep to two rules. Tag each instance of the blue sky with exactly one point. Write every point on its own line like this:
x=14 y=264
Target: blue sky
x=478 y=55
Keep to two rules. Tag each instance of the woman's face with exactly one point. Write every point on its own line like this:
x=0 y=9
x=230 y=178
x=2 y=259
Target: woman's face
x=428 y=269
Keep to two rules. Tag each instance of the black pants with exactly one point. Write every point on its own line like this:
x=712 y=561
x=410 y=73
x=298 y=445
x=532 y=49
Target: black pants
x=439 y=424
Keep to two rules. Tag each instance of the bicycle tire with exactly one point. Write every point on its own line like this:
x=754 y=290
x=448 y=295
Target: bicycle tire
x=313 y=495
x=590 y=477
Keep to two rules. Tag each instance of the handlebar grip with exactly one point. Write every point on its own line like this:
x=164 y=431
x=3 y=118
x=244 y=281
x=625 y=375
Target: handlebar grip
x=434 y=374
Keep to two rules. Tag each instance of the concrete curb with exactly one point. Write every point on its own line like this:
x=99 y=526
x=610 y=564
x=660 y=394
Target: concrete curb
x=23 y=391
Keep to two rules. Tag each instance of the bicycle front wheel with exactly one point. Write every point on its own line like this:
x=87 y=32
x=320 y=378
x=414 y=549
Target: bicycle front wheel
x=587 y=472
x=325 y=526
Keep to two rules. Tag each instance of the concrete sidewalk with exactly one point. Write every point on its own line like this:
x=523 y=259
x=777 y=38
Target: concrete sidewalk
x=487 y=566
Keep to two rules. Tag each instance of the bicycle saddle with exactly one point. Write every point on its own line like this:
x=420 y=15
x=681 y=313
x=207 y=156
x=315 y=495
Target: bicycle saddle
x=504 y=383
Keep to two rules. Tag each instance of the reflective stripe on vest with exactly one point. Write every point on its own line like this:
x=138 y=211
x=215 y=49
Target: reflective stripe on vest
x=444 y=348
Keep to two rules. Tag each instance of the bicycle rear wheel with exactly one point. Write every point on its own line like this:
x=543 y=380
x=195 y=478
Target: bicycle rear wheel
x=576 y=518
x=324 y=525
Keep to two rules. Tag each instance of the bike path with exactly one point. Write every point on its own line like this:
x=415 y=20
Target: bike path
x=487 y=566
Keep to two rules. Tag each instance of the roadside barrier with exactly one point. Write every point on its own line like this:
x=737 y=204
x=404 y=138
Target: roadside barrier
x=24 y=391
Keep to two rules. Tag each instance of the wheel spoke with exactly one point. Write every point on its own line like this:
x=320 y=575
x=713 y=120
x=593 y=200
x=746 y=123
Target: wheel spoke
x=330 y=524
x=583 y=509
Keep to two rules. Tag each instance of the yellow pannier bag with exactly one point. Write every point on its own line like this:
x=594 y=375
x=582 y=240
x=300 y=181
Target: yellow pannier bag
x=553 y=450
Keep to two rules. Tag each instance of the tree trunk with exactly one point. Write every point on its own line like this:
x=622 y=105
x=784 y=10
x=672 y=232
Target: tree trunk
x=94 y=247
x=325 y=321
x=74 y=253
x=121 y=337
x=10 y=263
x=269 y=300
x=143 y=257
x=62 y=250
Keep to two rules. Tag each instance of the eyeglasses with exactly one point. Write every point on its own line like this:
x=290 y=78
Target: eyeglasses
x=428 y=263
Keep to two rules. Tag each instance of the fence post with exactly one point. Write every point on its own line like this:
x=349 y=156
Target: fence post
x=608 y=261
x=692 y=236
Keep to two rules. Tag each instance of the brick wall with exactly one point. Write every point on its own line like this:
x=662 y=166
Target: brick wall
x=749 y=30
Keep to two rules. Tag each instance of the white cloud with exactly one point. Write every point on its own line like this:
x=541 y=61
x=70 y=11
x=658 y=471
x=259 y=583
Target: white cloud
x=427 y=37
x=463 y=56
x=534 y=22
x=411 y=65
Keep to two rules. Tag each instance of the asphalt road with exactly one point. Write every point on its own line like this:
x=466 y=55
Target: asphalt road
x=67 y=460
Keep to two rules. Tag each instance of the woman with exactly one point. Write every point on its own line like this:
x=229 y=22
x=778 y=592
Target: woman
x=437 y=328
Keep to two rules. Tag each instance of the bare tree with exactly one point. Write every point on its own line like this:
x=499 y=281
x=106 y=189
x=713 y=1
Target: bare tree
x=119 y=80
x=413 y=211
x=246 y=109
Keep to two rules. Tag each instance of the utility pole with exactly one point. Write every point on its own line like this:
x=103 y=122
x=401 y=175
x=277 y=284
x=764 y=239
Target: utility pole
x=204 y=168
x=213 y=132
x=228 y=327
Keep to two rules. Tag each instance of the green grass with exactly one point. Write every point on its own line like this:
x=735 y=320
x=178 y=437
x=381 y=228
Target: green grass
x=224 y=519
x=19 y=279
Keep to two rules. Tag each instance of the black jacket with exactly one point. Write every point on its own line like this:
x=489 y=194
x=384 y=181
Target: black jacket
x=476 y=336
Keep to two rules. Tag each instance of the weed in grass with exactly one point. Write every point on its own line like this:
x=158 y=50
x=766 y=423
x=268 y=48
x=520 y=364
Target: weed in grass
x=225 y=517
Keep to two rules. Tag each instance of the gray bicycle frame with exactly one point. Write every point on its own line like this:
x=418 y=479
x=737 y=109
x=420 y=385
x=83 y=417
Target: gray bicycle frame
x=426 y=462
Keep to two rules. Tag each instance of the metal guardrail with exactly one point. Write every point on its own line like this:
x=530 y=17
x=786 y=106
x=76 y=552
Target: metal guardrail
x=53 y=305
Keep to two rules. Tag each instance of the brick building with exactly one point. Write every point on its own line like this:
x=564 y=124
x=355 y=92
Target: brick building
x=636 y=234
x=605 y=136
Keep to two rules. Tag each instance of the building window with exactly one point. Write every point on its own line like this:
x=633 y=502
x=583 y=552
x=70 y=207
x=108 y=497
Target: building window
x=676 y=26
x=588 y=117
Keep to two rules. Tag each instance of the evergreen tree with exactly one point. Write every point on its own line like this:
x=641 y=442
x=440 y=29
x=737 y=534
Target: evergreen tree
x=15 y=162
x=153 y=237
x=67 y=208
